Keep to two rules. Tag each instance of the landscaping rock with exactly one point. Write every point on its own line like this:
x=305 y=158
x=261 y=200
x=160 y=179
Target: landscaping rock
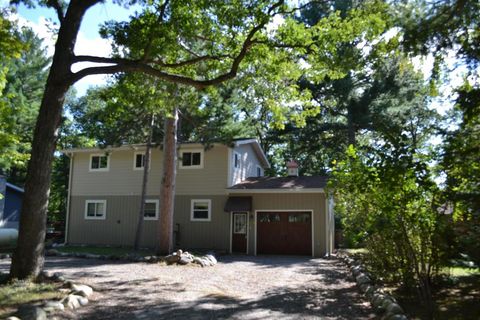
x=71 y=301
x=173 y=258
x=363 y=279
x=200 y=261
x=396 y=317
x=83 y=301
x=31 y=313
x=52 y=306
x=13 y=318
x=82 y=290
x=211 y=258
x=394 y=308
x=185 y=259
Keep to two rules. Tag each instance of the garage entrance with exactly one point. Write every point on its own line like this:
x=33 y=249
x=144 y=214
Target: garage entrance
x=284 y=232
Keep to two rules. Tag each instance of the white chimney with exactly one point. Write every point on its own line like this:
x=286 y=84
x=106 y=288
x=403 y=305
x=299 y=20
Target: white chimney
x=292 y=168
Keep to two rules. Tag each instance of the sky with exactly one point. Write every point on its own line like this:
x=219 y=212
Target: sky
x=88 y=41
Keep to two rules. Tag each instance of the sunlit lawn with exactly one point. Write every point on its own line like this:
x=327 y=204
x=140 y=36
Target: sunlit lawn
x=14 y=294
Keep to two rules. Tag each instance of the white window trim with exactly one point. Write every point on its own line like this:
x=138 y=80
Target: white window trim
x=261 y=171
x=87 y=202
x=99 y=169
x=202 y=159
x=192 y=202
x=135 y=160
x=157 y=205
x=236 y=154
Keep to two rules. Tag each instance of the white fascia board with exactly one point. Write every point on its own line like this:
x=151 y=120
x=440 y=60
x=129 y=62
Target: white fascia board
x=296 y=190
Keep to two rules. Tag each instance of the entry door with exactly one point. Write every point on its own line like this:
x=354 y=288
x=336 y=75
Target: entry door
x=239 y=232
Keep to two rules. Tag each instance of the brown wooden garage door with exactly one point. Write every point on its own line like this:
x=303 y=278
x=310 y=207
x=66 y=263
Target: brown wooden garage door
x=284 y=233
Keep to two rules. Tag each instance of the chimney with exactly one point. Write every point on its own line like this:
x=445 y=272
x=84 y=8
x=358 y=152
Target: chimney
x=292 y=168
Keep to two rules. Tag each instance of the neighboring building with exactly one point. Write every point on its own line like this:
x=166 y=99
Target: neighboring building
x=10 y=204
x=222 y=201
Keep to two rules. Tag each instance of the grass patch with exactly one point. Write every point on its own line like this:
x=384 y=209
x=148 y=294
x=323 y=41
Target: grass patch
x=460 y=271
x=104 y=250
x=16 y=293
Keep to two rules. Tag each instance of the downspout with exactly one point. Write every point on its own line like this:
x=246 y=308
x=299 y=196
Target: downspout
x=68 y=197
x=327 y=226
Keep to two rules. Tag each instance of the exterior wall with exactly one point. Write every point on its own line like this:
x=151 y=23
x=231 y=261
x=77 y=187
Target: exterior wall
x=10 y=208
x=122 y=179
x=248 y=164
x=119 y=227
x=288 y=201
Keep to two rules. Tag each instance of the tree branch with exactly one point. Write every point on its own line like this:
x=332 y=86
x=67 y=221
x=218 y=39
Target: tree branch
x=123 y=65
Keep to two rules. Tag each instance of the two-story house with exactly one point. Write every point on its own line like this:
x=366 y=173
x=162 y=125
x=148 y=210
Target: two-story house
x=222 y=202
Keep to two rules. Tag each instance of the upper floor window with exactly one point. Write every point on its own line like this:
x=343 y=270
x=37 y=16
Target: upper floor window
x=150 y=211
x=99 y=162
x=95 y=209
x=259 y=171
x=139 y=161
x=236 y=160
x=201 y=210
x=191 y=159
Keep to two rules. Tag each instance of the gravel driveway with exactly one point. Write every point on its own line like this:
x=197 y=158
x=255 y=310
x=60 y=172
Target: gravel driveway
x=238 y=287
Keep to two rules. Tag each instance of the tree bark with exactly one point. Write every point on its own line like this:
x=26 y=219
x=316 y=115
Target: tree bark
x=167 y=191
x=146 y=171
x=27 y=261
x=351 y=126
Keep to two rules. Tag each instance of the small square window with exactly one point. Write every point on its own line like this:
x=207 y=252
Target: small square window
x=98 y=163
x=236 y=160
x=139 y=160
x=95 y=209
x=201 y=210
x=191 y=159
x=150 y=211
x=259 y=171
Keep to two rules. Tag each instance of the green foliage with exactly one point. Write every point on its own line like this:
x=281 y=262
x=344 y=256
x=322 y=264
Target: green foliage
x=384 y=196
x=19 y=104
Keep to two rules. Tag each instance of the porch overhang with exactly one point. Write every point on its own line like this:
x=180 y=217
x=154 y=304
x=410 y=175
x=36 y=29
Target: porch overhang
x=241 y=204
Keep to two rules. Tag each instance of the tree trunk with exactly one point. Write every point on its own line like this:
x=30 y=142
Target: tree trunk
x=27 y=261
x=146 y=171
x=351 y=126
x=167 y=192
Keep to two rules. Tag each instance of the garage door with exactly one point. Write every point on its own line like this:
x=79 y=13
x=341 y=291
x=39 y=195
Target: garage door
x=284 y=233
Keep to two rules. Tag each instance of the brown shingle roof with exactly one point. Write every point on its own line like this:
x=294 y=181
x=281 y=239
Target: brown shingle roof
x=304 y=182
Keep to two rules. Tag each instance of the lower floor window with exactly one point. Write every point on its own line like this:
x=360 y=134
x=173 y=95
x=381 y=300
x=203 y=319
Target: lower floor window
x=201 y=210
x=150 y=210
x=95 y=209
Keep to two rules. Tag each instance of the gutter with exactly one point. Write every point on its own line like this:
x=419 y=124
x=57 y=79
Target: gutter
x=70 y=174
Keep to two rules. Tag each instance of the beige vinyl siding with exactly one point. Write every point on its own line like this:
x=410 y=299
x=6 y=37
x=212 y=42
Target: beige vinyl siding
x=211 y=179
x=285 y=201
x=122 y=179
x=119 y=227
x=248 y=164
x=214 y=234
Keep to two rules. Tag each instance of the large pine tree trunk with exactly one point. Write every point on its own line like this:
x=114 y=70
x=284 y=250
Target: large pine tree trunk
x=27 y=261
x=146 y=171
x=167 y=192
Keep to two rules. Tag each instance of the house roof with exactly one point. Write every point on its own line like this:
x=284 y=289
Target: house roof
x=292 y=183
x=236 y=142
x=14 y=187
